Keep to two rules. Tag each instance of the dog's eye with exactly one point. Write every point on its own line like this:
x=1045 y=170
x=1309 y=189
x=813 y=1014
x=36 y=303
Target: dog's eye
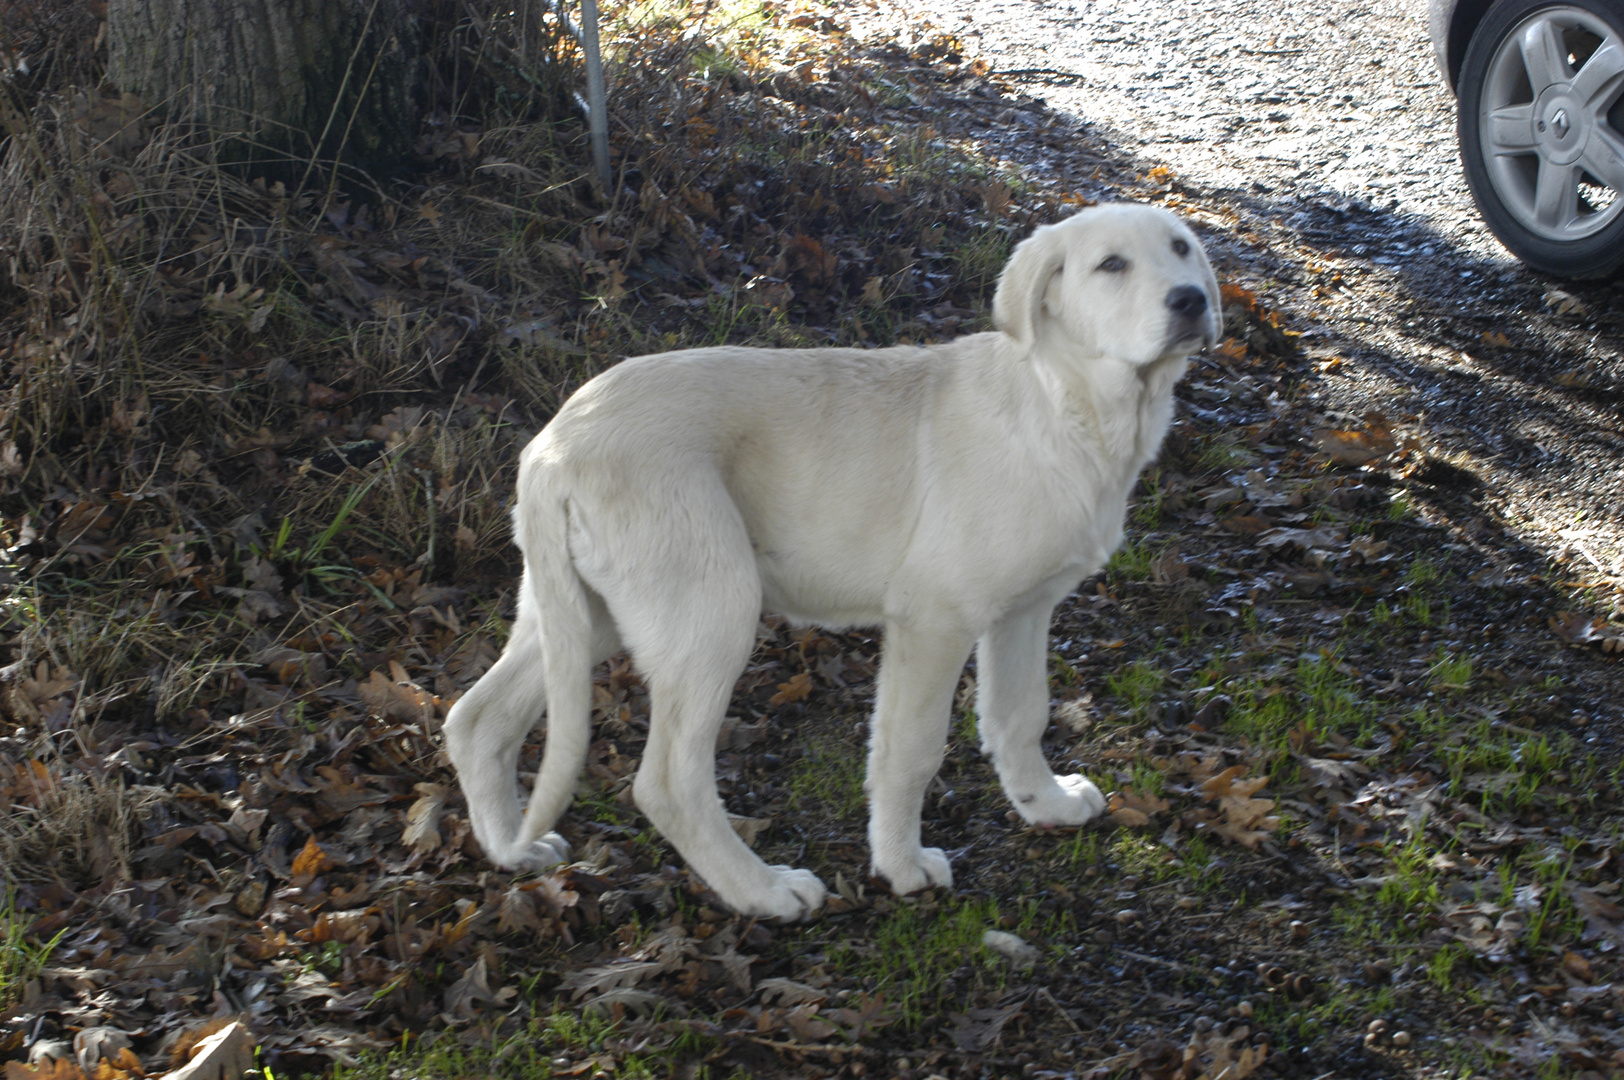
x=1114 y=264
x=1181 y=248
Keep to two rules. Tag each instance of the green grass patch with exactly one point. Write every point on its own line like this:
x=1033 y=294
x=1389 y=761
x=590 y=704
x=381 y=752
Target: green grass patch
x=829 y=775
x=916 y=947
x=21 y=957
x=1130 y=562
x=1136 y=685
x=531 y=1055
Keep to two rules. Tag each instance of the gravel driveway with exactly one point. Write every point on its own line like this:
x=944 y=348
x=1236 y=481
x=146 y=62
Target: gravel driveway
x=1326 y=133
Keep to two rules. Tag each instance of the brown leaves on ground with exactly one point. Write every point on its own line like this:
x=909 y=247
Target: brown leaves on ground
x=1209 y=1055
x=1239 y=816
x=1132 y=810
x=799 y=688
x=1358 y=446
x=1578 y=629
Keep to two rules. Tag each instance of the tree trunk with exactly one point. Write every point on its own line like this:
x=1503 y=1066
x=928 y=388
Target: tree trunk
x=286 y=81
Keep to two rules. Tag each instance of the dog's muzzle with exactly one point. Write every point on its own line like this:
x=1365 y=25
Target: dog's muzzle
x=1187 y=304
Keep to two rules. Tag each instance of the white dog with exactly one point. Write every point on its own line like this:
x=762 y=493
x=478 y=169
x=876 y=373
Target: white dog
x=952 y=494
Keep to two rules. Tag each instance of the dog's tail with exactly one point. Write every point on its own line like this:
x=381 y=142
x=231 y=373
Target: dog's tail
x=564 y=613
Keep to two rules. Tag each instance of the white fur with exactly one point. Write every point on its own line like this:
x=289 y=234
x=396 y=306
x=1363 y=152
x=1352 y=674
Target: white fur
x=952 y=494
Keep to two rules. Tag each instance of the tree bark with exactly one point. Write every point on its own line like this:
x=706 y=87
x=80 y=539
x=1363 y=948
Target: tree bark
x=286 y=81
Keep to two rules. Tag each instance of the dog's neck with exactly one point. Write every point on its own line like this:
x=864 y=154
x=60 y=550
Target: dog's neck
x=1123 y=409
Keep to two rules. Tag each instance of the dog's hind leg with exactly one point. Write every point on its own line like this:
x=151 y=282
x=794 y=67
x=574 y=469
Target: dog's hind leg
x=689 y=617
x=919 y=670
x=1012 y=703
x=487 y=727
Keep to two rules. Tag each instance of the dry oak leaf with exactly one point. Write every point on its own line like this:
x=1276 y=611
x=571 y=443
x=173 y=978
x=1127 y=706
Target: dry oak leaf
x=1239 y=295
x=423 y=818
x=49 y=1069
x=797 y=689
x=1130 y=809
x=311 y=861
x=1603 y=918
x=782 y=992
x=396 y=697
x=122 y=1066
x=45 y=685
x=1357 y=446
x=1213 y=1056
x=354 y=927
x=978 y=1029
x=804 y=1024
x=1578 y=629
x=465 y=996
x=226 y=1054
x=92 y=1046
x=518 y=912
x=1245 y=820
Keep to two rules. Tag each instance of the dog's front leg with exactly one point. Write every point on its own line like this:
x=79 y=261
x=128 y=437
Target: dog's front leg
x=918 y=673
x=1012 y=699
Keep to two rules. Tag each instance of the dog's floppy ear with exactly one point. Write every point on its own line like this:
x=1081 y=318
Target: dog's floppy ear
x=1018 y=302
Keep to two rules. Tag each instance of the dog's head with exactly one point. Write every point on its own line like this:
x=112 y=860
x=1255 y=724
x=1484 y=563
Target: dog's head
x=1124 y=281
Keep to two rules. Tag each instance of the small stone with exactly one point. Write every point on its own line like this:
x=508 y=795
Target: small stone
x=1401 y=1038
x=1012 y=948
x=1376 y=1026
x=1244 y=1009
x=1299 y=930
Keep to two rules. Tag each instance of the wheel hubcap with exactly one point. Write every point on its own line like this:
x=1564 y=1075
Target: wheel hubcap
x=1554 y=157
x=1561 y=140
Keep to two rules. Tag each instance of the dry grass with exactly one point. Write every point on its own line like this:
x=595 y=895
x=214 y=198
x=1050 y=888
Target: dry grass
x=75 y=826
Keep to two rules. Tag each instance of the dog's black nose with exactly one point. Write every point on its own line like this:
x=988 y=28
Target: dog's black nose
x=1187 y=300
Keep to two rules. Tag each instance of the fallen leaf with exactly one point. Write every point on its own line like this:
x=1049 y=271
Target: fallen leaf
x=797 y=689
x=977 y=1029
x=423 y=818
x=804 y=1024
x=311 y=861
x=1355 y=447
x=49 y=1069
x=639 y=1003
x=226 y=1054
x=93 y=1044
x=1213 y=1055
x=789 y=992
x=749 y=829
x=1132 y=810
x=1602 y=916
x=1578 y=629
x=1229 y=783
x=466 y=996
x=1565 y=303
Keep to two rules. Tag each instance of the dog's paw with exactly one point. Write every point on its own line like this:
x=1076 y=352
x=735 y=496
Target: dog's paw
x=540 y=854
x=1070 y=800
x=793 y=896
x=923 y=868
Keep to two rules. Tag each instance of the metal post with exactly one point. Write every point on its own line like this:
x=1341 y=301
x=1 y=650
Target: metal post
x=597 y=107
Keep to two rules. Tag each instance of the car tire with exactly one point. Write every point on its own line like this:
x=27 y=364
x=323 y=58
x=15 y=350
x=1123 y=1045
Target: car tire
x=1541 y=125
